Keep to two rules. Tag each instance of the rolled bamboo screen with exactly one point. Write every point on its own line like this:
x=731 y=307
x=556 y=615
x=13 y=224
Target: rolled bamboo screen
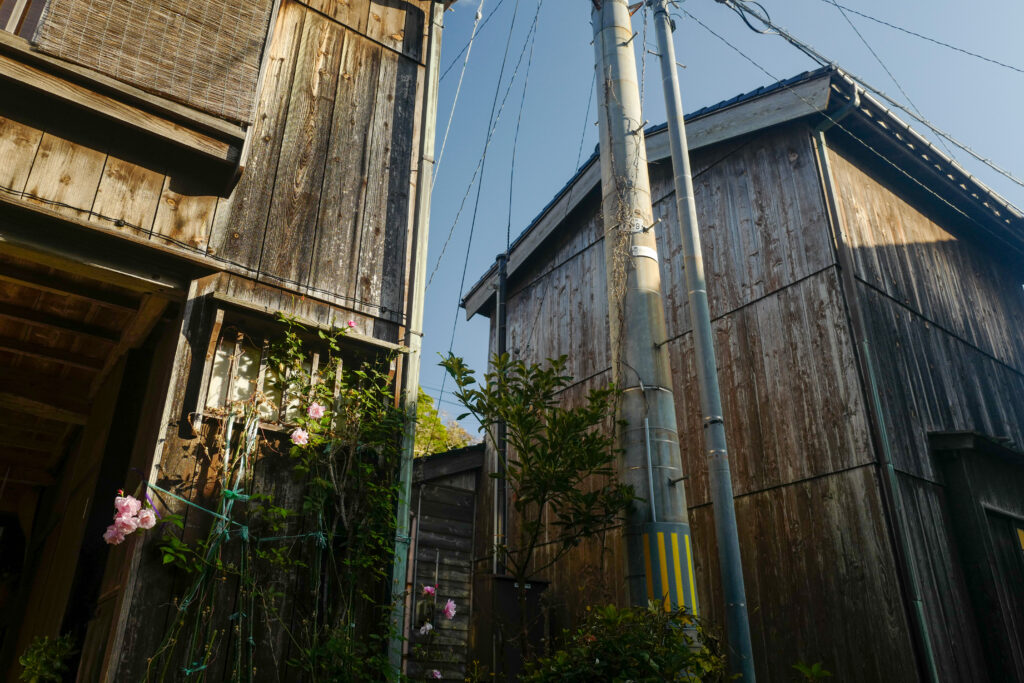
x=203 y=53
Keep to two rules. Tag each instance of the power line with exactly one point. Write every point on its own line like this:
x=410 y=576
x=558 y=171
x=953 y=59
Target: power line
x=483 y=156
x=515 y=140
x=493 y=119
x=469 y=44
x=924 y=37
x=839 y=124
x=884 y=67
x=458 y=89
x=743 y=7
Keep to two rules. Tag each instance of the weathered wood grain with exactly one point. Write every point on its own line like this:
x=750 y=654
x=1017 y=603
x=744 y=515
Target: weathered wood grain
x=374 y=215
x=291 y=227
x=184 y=214
x=351 y=13
x=39 y=80
x=824 y=540
x=18 y=144
x=927 y=267
x=400 y=26
x=128 y=193
x=241 y=219
x=65 y=173
x=335 y=260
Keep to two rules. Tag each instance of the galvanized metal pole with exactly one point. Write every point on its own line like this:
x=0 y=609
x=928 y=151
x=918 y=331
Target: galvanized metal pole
x=414 y=338
x=659 y=556
x=501 y=452
x=737 y=622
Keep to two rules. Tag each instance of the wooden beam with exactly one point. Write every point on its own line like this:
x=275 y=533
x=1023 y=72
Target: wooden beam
x=61 y=410
x=55 y=322
x=150 y=309
x=8 y=440
x=31 y=476
x=69 y=358
x=76 y=263
x=56 y=284
x=119 y=112
x=21 y=49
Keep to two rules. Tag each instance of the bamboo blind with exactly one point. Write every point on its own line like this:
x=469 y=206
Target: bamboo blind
x=203 y=53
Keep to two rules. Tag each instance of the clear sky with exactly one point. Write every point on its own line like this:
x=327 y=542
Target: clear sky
x=977 y=102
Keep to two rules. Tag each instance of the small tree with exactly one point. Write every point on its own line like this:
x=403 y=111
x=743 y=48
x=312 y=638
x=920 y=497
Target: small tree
x=555 y=453
x=432 y=434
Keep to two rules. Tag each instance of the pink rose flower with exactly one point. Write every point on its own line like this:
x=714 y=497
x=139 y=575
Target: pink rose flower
x=316 y=411
x=300 y=437
x=127 y=505
x=449 y=609
x=126 y=524
x=429 y=590
x=351 y=323
x=112 y=536
x=147 y=518
x=435 y=674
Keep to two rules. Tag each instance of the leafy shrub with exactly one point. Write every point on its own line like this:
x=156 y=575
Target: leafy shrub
x=636 y=644
x=44 y=659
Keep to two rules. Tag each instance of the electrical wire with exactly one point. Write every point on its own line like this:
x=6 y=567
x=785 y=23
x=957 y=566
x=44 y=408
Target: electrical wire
x=458 y=89
x=465 y=47
x=493 y=120
x=480 y=163
x=924 y=37
x=886 y=69
x=743 y=6
x=839 y=124
x=515 y=144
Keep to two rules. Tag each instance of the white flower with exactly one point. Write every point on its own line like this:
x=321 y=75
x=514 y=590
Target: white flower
x=426 y=628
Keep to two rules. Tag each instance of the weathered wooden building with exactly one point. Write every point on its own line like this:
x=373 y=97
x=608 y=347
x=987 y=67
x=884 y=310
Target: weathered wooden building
x=172 y=174
x=866 y=300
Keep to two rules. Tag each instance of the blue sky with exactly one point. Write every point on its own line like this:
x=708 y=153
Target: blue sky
x=977 y=102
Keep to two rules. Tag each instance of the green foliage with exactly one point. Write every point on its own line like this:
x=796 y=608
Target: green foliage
x=555 y=452
x=812 y=672
x=44 y=659
x=560 y=466
x=308 y=553
x=636 y=644
x=433 y=435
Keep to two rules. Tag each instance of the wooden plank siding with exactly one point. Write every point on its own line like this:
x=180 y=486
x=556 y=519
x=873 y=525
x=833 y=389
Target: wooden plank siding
x=802 y=460
x=323 y=205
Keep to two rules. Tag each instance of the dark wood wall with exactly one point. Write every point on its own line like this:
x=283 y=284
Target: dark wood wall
x=943 y=316
x=820 y=575
x=323 y=203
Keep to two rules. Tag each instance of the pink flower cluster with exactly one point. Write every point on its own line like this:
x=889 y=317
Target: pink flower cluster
x=130 y=516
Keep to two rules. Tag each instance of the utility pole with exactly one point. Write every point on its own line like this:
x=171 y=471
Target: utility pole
x=737 y=623
x=658 y=547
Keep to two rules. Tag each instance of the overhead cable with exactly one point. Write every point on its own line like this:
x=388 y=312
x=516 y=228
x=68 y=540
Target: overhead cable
x=745 y=6
x=458 y=89
x=924 y=37
x=839 y=124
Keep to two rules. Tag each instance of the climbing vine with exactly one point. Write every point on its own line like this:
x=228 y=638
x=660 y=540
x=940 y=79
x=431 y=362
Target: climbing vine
x=292 y=574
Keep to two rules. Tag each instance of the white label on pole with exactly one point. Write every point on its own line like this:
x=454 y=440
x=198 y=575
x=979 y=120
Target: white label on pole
x=645 y=252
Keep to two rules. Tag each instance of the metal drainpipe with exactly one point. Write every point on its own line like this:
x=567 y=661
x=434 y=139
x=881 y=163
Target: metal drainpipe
x=891 y=494
x=413 y=338
x=500 y=484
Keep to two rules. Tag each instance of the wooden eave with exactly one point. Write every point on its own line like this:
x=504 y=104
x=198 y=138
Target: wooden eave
x=195 y=132
x=988 y=217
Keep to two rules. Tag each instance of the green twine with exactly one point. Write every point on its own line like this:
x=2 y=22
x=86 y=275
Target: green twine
x=195 y=668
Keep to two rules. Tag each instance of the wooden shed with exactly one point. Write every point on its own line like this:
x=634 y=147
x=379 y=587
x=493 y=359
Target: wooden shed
x=866 y=302
x=172 y=175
